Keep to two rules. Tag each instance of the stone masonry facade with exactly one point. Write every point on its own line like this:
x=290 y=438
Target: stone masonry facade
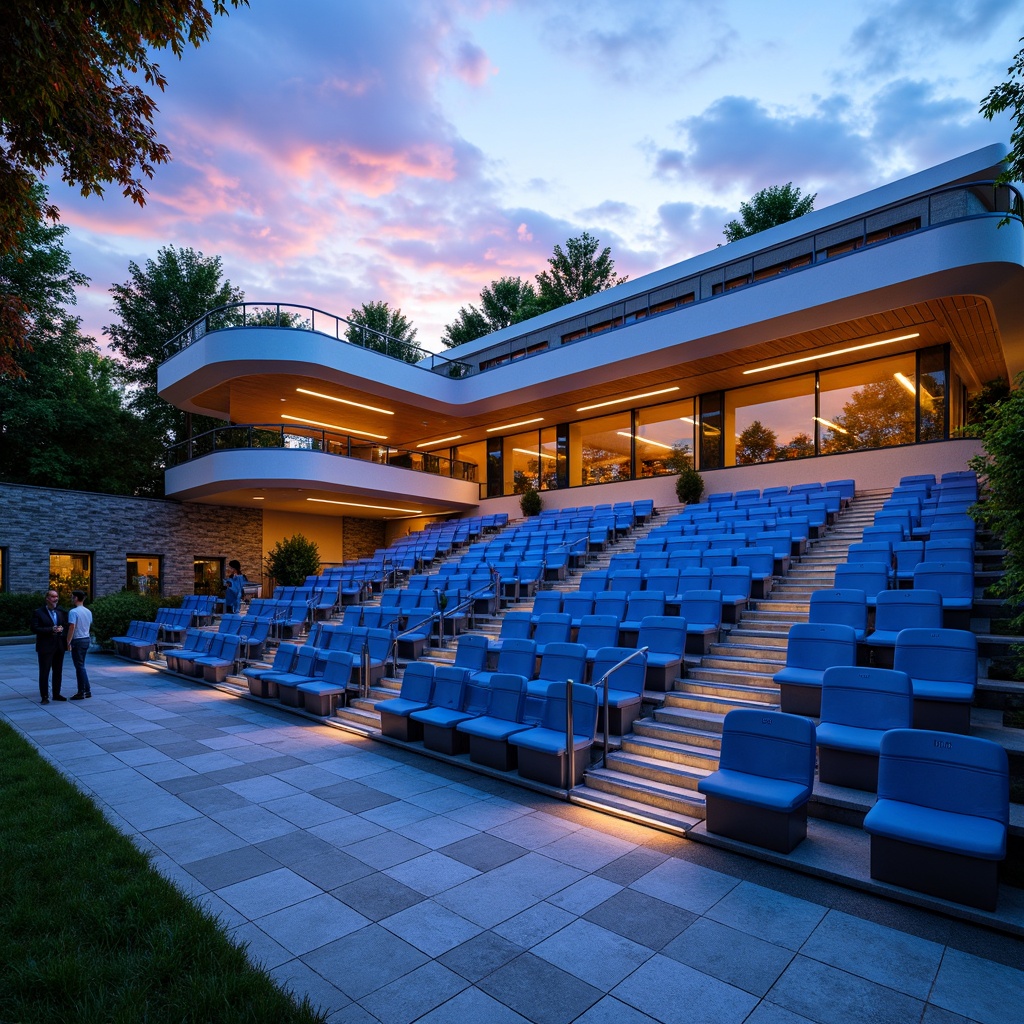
x=37 y=520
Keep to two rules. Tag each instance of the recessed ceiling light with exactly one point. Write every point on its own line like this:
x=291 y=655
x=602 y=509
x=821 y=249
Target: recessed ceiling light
x=644 y=440
x=628 y=398
x=443 y=440
x=521 y=423
x=831 y=355
x=343 y=401
x=256 y=497
x=335 y=426
x=376 y=508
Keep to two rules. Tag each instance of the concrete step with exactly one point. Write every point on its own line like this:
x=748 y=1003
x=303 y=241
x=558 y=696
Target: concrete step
x=758 y=652
x=675 y=750
x=359 y=716
x=761 y=635
x=653 y=769
x=625 y=807
x=683 y=802
x=741 y=663
x=668 y=732
x=757 y=691
x=697 y=720
x=710 y=704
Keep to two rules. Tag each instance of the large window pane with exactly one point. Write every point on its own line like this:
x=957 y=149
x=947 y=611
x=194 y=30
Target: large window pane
x=711 y=423
x=70 y=570
x=603 y=446
x=522 y=462
x=658 y=429
x=552 y=459
x=870 y=405
x=932 y=364
x=143 y=574
x=770 y=421
x=209 y=575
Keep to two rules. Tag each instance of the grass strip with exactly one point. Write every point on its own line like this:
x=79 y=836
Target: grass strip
x=89 y=932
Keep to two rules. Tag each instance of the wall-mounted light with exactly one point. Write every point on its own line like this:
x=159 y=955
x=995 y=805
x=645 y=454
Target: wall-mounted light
x=335 y=426
x=628 y=398
x=521 y=423
x=344 y=401
x=832 y=355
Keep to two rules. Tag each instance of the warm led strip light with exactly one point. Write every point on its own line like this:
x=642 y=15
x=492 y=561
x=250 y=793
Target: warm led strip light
x=628 y=398
x=830 y=355
x=376 y=508
x=334 y=426
x=521 y=423
x=526 y=451
x=443 y=440
x=644 y=440
x=344 y=401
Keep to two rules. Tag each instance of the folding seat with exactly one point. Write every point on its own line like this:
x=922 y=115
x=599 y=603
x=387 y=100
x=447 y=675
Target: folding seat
x=652 y=544
x=547 y=602
x=811 y=487
x=940 y=822
x=181 y=660
x=417 y=632
x=926 y=480
x=379 y=657
x=256 y=676
x=639 y=605
x=649 y=563
x=943 y=669
x=625 y=580
x=325 y=692
x=551 y=628
x=734 y=582
x=702 y=610
x=488 y=734
x=455 y=699
x=846 y=488
x=697 y=578
x=891 y=533
x=781 y=544
x=948 y=549
x=471 y=652
x=513 y=624
x=559 y=661
x=858 y=705
x=223 y=659
x=193 y=639
x=810 y=649
x=543 y=754
x=955 y=582
x=664 y=636
x=302 y=671
x=897 y=610
x=870 y=577
x=774 y=492
x=720 y=498
x=597 y=631
x=415 y=694
x=761 y=563
x=904 y=518
x=643 y=510
x=684 y=558
x=618 y=678
x=531 y=577
x=799 y=530
x=665 y=580
x=906 y=556
x=611 y=602
x=518 y=656
x=576 y=604
x=880 y=551
x=760 y=792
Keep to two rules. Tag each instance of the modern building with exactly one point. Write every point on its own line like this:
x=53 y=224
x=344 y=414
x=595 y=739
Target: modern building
x=836 y=345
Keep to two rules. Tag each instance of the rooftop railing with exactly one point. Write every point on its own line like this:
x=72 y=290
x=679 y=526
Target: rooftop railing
x=943 y=206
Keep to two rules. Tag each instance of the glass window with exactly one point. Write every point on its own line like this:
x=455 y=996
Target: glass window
x=143 y=574
x=659 y=428
x=522 y=462
x=711 y=422
x=495 y=485
x=770 y=421
x=602 y=450
x=467 y=460
x=552 y=459
x=932 y=365
x=70 y=570
x=870 y=405
x=209 y=575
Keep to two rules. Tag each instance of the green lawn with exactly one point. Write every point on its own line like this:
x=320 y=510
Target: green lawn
x=90 y=933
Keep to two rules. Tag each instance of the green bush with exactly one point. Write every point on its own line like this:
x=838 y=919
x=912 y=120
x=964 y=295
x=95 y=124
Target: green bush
x=112 y=614
x=689 y=483
x=529 y=502
x=16 y=612
x=293 y=559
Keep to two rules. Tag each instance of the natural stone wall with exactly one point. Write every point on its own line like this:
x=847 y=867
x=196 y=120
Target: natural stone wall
x=37 y=520
x=362 y=537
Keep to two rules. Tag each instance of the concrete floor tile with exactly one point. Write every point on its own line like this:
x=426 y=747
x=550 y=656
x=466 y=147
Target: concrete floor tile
x=534 y=925
x=540 y=991
x=587 y=849
x=611 y=1011
x=480 y=955
x=597 y=956
x=353 y=797
x=434 y=830
x=631 y=866
x=261 y=949
x=770 y=1013
x=227 y=868
x=483 y=851
x=343 y=832
x=331 y=869
x=296 y=977
x=831 y=996
x=312 y=923
x=673 y=993
x=193 y=840
x=432 y=873
x=584 y=895
x=263 y=894
x=488 y=814
x=767 y=914
x=385 y=850
x=260 y=789
x=642 y=918
x=685 y=885
x=984 y=991
x=254 y=824
x=377 y=896
x=395 y=815
x=471 y=1006
x=304 y=810
x=872 y=951
x=533 y=831
x=431 y=928
x=408 y=998
x=749 y=963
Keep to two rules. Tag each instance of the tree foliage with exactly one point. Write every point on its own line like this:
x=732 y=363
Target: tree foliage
x=70 y=96
x=757 y=443
x=877 y=415
x=576 y=272
x=291 y=560
x=773 y=205
x=375 y=325
x=157 y=301
x=1009 y=95
x=504 y=302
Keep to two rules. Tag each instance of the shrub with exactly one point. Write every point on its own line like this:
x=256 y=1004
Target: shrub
x=530 y=503
x=293 y=559
x=112 y=614
x=689 y=484
x=16 y=612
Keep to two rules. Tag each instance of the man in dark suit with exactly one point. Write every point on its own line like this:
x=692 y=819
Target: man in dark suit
x=50 y=625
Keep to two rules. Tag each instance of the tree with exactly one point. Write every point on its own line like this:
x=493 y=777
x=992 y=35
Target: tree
x=153 y=305
x=504 y=302
x=1010 y=96
x=62 y=421
x=376 y=326
x=801 y=446
x=773 y=205
x=877 y=415
x=575 y=273
x=756 y=444
x=291 y=560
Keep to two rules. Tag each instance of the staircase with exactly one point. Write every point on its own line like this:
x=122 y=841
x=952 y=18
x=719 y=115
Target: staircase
x=654 y=773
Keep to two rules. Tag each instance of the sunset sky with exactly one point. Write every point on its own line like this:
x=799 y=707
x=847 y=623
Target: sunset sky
x=340 y=151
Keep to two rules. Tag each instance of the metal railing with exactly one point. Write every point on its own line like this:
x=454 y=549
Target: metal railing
x=603 y=683
x=240 y=437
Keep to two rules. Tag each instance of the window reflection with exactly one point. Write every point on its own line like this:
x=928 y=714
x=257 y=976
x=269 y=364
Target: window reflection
x=601 y=450
x=870 y=405
x=658 y=430
x=770 y=421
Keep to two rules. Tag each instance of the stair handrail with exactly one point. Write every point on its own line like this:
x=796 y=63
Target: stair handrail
x=603 y=682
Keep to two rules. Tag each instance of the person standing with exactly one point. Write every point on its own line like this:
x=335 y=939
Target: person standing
x=49 y=624
x=79 y=639
x=234 y=583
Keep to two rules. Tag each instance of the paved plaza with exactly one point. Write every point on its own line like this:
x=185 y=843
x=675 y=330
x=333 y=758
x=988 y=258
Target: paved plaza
x=390 y=887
